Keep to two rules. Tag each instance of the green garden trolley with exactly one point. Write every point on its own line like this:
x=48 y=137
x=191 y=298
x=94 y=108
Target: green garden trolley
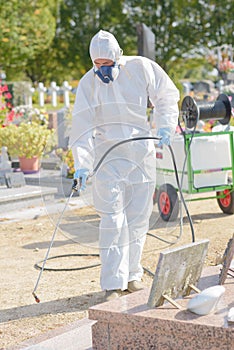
x=204 y=161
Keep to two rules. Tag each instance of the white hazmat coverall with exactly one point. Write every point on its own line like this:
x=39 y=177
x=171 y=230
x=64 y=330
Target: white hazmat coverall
x=123 y=186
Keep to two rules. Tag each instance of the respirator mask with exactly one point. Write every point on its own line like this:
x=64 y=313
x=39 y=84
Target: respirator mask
x=107 y=73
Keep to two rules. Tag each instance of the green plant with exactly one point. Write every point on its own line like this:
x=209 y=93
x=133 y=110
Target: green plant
x=26 y=140
x=67 y=158
x=8 y=138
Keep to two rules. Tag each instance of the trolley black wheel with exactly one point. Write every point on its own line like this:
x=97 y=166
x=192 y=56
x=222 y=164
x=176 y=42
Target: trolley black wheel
x=226 y=203
x=168 y=203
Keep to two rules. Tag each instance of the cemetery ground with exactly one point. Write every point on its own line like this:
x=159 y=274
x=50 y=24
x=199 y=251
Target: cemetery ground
x=66 y=295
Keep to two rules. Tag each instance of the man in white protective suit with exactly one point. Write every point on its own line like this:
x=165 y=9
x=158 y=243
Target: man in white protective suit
x=110 y=106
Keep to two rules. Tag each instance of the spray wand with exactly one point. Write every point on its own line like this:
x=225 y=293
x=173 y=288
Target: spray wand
x=75 y=188
x=77 y=185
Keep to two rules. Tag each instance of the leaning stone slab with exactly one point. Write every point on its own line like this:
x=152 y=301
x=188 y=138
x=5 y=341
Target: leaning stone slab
x=178 y=270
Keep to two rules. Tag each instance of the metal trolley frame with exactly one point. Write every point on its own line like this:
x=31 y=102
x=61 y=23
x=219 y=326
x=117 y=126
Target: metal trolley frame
x=166 y=193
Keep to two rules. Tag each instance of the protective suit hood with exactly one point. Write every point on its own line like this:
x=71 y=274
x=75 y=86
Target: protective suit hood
x=105 y=45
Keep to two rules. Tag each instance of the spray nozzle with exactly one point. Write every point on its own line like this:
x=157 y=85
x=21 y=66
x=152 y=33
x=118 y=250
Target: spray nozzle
x=36 y=297
x=76 y=185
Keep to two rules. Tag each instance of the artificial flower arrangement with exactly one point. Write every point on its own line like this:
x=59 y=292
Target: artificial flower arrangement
x=6 y=114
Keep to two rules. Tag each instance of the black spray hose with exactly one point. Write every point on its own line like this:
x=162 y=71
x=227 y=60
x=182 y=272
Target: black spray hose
x=174 y=165
x=76 y=187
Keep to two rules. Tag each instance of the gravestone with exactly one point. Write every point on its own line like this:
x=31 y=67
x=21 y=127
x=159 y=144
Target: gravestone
x=15 y=179
x=63 y=128
x=54 y=90
x=5 y=164
x=41 y=92
x=66 y=90
x=177 y=273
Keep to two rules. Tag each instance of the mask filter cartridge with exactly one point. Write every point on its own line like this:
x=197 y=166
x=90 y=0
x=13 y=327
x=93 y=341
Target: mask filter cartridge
x=108 y=73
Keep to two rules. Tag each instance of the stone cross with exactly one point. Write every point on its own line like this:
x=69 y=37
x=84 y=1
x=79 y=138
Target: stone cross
x=54 y=90
x=41 y=90
x=30 y=93
x=66 y=89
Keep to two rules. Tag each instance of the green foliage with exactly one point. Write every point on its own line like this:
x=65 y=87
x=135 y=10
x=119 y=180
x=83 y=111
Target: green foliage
x=190 y=68
x=26 y=133
x=67 y=158
x=49 y=40
x=8 y=138
x=79 y=21
x=26 y=140
x=27 y=28
x=182 y=27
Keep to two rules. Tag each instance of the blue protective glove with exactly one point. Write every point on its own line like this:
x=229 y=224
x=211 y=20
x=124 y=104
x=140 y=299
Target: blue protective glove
x=165 y=134
x=81 y=175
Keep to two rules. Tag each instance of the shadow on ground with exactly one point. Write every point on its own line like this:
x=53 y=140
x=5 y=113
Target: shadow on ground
x=66 y=305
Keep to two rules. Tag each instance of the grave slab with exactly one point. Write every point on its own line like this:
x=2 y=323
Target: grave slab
x=129 y=323
x=75 y=336
x=51 y=178
x=19 y=197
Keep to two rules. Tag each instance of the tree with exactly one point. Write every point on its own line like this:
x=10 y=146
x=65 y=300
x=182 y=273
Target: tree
x=27 y=28
x=184 y=28
x=68 y=56
x=49 y=40
x=78 y=22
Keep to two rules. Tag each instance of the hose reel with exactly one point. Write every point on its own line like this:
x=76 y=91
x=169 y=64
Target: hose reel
x=219 y=110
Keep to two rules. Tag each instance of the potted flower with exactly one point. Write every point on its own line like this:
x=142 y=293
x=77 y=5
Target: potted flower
x=27 y=141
